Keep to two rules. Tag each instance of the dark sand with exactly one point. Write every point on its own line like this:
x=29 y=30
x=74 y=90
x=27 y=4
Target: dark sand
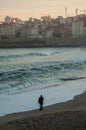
x=70 y=115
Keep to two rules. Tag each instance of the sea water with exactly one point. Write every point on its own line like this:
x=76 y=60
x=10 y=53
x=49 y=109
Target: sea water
x=57 y=73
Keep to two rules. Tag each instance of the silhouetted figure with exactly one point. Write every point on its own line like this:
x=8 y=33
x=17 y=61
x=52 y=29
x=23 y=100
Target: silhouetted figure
x=40 y=101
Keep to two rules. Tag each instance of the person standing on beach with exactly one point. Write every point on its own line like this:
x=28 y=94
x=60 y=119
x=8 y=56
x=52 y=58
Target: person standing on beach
x=40 y=101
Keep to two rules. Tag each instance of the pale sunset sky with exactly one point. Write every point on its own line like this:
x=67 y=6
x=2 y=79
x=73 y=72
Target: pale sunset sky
x=36 y=8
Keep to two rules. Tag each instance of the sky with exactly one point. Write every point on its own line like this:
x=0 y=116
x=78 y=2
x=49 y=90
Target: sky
x=36 y=8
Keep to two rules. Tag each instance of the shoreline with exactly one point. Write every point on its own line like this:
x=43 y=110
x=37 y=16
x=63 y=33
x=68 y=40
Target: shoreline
x=77 y=104
x=29 y=100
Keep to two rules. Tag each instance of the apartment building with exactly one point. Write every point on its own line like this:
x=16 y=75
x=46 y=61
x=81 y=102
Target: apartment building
x=8 y=30
x=77 y=28
x=29 y=31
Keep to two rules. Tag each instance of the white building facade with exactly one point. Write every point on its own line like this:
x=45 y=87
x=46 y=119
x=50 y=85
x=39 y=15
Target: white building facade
x=77 y=28
x=8 y=30
x=49 y=34
x=84 y=31
x=30 y=32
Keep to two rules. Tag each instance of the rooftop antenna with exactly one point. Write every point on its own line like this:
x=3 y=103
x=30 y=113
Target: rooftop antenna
x=65 y=12
x=76 y=12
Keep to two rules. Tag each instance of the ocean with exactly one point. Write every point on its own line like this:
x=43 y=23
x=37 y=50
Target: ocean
x=57 y=73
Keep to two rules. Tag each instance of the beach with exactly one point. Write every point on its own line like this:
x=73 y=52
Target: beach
x=69 y=115
x=59 y=74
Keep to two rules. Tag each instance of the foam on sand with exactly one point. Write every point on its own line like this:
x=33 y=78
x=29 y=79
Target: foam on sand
x=29 y=100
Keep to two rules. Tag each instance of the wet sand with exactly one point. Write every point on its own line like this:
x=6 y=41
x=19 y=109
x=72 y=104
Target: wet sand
x=70 y=115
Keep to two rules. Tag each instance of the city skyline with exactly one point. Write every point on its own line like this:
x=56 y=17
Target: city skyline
x=36 y=8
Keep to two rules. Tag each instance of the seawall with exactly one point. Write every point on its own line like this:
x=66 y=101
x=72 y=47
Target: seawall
x=54 y=42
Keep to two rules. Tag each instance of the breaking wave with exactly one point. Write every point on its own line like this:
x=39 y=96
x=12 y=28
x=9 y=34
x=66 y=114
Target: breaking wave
x=16 y=77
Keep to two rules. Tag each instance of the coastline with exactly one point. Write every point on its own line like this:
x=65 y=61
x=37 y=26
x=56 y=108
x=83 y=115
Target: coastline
x=73 y=107
x=43 y=42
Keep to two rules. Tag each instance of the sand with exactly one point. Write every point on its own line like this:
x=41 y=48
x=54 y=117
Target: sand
x=70 y=115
